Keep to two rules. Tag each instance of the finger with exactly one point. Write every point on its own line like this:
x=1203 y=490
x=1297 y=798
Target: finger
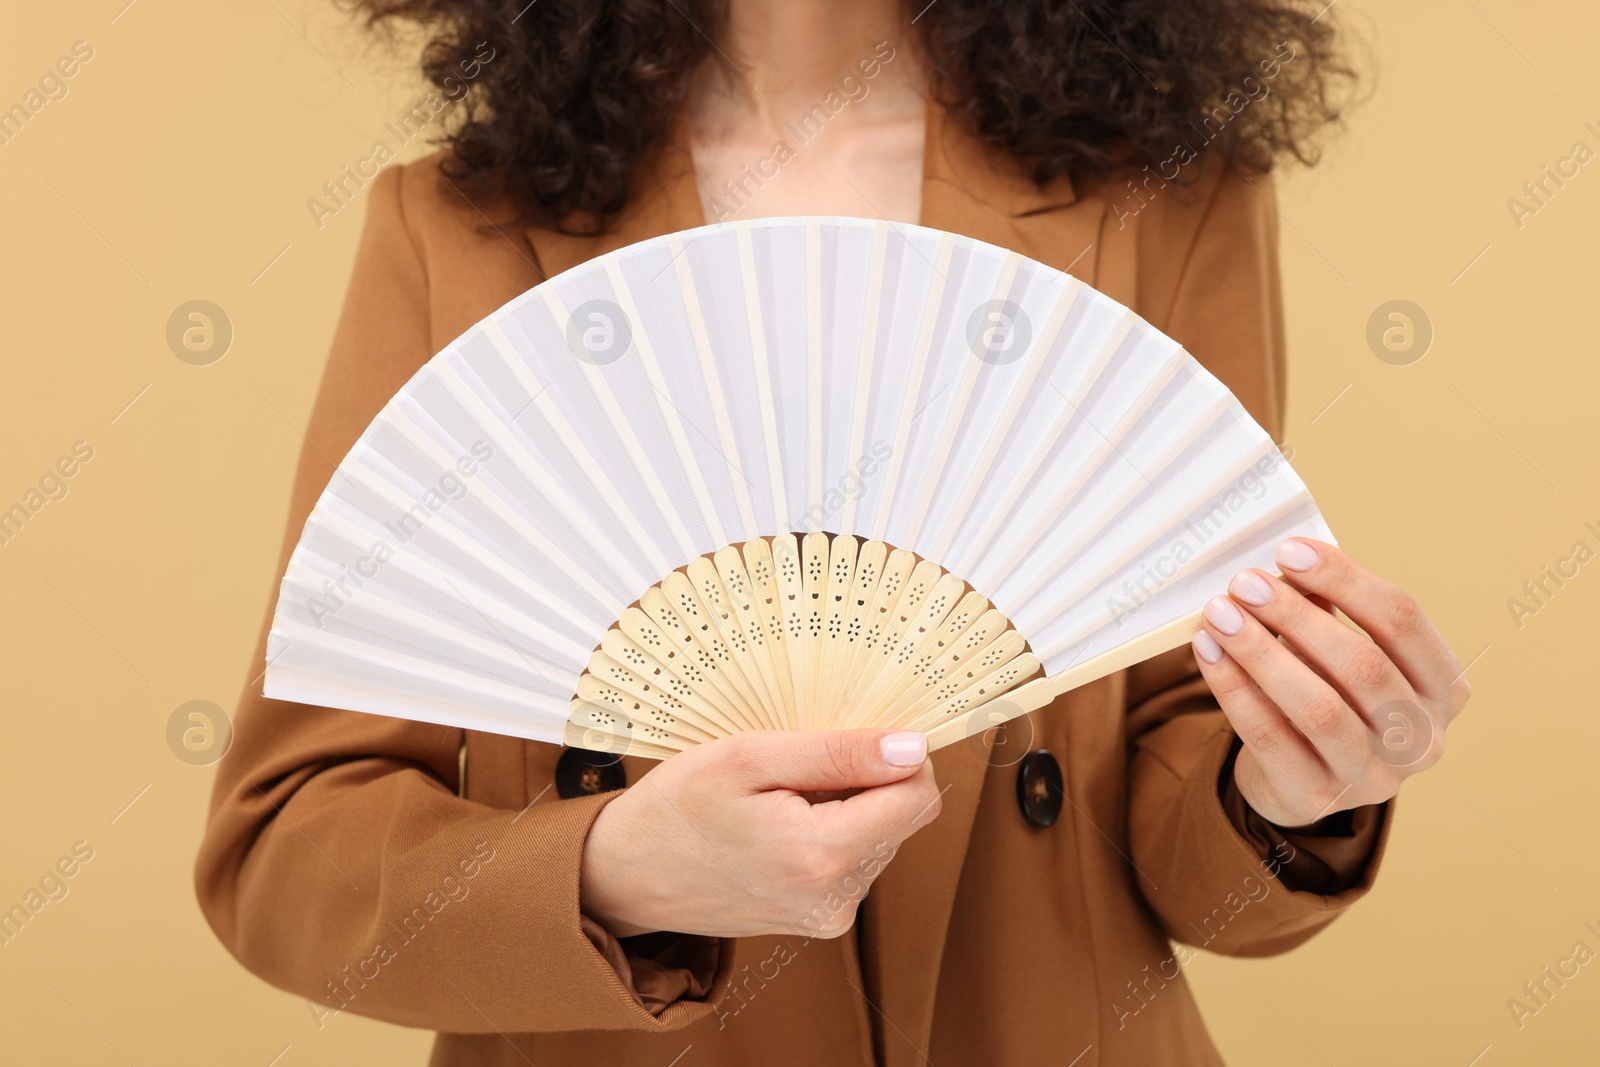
x=1388 y=613
x=809 y=760
x=877 y=819
x=1348 y=659
x=1261 y=725
x=1321 y=715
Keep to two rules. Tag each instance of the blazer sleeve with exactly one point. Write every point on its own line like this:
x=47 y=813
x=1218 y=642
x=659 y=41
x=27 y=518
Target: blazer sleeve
x=1190 y=830
x=339 y=862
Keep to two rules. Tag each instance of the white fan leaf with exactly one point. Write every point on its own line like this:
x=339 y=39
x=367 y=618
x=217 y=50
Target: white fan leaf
x=783 y=474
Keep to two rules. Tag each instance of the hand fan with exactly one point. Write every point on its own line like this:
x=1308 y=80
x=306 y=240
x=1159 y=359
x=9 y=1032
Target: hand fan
x=789 y=473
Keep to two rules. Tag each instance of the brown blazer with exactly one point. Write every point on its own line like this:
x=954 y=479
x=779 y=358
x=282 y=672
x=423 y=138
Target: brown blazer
x=428 y=877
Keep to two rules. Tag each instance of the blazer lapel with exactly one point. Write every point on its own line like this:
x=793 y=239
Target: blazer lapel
x=970 y=189
x=973 y=189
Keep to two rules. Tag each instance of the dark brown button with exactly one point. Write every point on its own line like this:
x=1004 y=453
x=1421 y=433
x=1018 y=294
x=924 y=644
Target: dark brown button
x=1040 y=788
x=581 y=773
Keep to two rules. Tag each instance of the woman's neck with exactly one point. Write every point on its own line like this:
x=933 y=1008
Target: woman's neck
x=792 y=51
x=811 y=107
x=787 y=55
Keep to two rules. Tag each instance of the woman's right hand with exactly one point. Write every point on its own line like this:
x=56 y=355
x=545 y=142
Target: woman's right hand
x=725 y=840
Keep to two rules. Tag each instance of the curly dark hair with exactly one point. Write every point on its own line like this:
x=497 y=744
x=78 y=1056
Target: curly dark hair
x=570 y=97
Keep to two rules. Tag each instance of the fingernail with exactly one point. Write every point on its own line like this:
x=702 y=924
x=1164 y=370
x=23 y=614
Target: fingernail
x=904 y=749
x=1251 y=588
x=1221 y=613
x=1206 y=647
x=1297 y=556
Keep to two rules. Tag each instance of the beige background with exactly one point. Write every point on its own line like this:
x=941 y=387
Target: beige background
x=178 y=167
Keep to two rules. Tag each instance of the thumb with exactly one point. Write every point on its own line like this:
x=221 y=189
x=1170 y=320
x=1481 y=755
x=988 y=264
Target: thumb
x=829 y=759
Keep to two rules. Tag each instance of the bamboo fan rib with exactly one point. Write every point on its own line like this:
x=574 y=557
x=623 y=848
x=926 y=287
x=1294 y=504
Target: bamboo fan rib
x=874 y=635
x=784 y=474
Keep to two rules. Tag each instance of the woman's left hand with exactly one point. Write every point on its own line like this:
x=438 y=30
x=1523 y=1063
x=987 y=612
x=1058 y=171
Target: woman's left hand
x=1330 y=718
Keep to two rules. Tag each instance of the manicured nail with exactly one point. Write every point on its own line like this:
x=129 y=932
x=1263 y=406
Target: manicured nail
x=1206 y=647
x=1251 y=588
x=1297 y=556
x=1221 y=613
x=904 y=749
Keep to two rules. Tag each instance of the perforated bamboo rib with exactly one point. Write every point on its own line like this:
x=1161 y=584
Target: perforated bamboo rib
x=815 y=633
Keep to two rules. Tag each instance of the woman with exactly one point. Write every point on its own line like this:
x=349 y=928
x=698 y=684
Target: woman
x=510 y=896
